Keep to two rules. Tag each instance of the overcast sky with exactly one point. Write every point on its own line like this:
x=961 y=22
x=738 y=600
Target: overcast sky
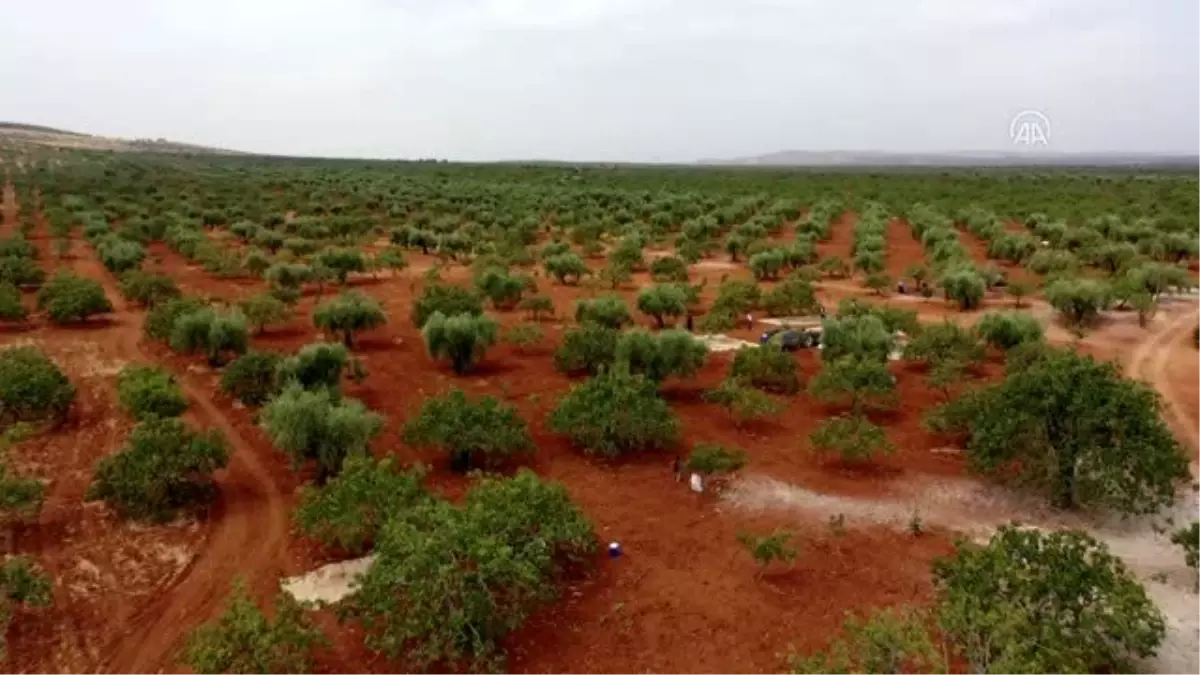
x=638 y=80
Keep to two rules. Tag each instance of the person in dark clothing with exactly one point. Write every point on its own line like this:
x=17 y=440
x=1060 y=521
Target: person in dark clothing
x=677 y=467
x=689 y=323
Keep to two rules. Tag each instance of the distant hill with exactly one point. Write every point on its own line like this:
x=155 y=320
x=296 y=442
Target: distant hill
x=34 y=134
x=957 y=159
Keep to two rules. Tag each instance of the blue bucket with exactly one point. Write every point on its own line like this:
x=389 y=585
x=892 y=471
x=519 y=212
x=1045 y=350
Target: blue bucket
x=614 y=550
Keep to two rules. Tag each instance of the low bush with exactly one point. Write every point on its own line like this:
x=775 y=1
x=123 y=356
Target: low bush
x=148 y=391
x=253 y=377
x=32 y=387
x=475 y=433
x=615 y=413
x=68 y=298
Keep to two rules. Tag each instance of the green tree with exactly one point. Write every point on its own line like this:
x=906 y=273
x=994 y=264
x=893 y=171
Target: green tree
x=766 y=367
x=878 y=282
x=252 y=378
x=660 y=355
x=462 y=338
x=160 y=320
x=21 y=582
x=854 y=437
x=351 y=509
x=447 y=299
x=662 y=300
x=32 y=387
x=863 y=336
x=244 y=640
x=483 y=432
x=1005 y=330
x=768 y=548
x=1188 y=538
x=669 y=269
x=287 y=280
x=793 y=296
x=391 y=258
x=341 y=262
x=67 y=298
x=148 y=288
x=892 y=640
x=449 y=583
x=567 y=268
x=607 y=310
x=215 y=333
x=1079 y=430
x=20 y=271
x=11 y=306
x=1018 y=290
x=1035 y=602
x=857 y=381
x=742 y=401
x=313 y=425
x=264 y=309
x=1079 y=301
x=348 y=314
x=714 y=459
x=524 y=336
x=963 y=284
x=537 y=306
x=588 y=348
x=164 y=467
x=615 y=413
x=147 y=391
x=766 y=264
x=318 y=365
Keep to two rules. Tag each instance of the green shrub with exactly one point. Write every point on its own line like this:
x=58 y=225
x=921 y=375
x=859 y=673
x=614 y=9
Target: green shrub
x=20 y=271
x=662 y=300
x=160 y=320
x=1005 y=330
x=67 y=298
x=342 y=261
x=567 y=268
x=587 y=348
x=32 y=387
x=312 y=425
x=462 y=338
x=352 y=508
x=615 y=413
x=244 y=640
x=863 y=336
x=711 y=458
x=252 y=377
x=148 y=288
x=537 y=306
x=263 y=309
x=964 y=285
x=120 y=255
x=669 y=269
x=21 y=581
x=742 y=401
x=348 y=314
x=318 y=365
x=11 y=307
x=211 y=332
x=482 y=432
x=164 y=467
x=766 y=367
x=503 y=289
x=524 y=336
x=791 y=297
x=1080 y=301
x=147 y=391
x=767 y=264
x=660 y=355
x=447 y=299
x=766 y=549
x=609 y=311
x=858 y=381
x=1188 y=538
x=855 y=438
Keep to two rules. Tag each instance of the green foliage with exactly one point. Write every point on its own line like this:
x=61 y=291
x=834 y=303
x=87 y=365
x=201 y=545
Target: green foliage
x=863 y=336
x=587 y=348
x=391 y=258
x=11 y=306
x=503 y=289
x=661 y=301
x=313 y=425
x=742 y=401
x=736 y=298
x=287 y=279
x=350 y=510
x=948 y=350
x=462 y=338
x=446 y=299
x=214 y=333
x=892 y=640
x=244 y=640
x=450 y=582
x=965 y=285
x=67 y=298
x=164 y=467
x=1034 y=602
x=669 y=269
x=20 y=271
x=318 y=365
x=615 y=413
x=147 y=391
x=348 y=314
x=483 y=432
x=855 y=438
x=1079 y=301
x=263 y=309
x=766 y=367
x=1079 y=430
x=567 y=268
x=32 y=387
x=893 y=318
x=793 y=296
x=1188 y=538
x=1005 y=330
x=607 y=310
x=767 y=264
x=160 y=320
x=148 y=288
x=21 y=581
x=537 y=306
x=342 y=261
x=120 y=255
x=524 y=336
x=857 y=381
x=252 y=377
x=767 y=548
x=660 y=355
x=711 y=459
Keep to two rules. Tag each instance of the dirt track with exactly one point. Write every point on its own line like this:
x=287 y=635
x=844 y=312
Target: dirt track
x=247 y=524
x=1150 y=362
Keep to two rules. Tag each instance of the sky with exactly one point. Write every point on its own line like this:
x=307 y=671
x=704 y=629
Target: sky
x=608 y=80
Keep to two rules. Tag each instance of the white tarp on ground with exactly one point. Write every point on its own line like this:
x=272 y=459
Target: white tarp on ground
x=328 y=583
x=722 y=343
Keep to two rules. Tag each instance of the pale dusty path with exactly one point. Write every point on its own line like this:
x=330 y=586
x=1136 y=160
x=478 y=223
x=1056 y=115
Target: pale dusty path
x=1150 y=362
x=248 y=523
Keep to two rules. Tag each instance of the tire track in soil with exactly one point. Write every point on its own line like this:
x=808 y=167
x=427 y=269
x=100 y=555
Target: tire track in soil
x=1149 y=363
x=247 y=524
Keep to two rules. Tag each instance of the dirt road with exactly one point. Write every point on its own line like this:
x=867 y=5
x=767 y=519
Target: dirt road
x=1151 y=362
x=248 y=524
